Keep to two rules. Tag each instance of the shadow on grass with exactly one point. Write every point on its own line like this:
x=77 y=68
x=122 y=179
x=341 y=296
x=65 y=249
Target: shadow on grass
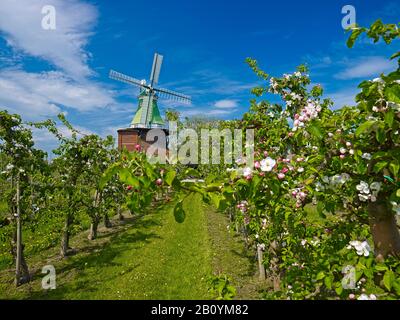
x=73 y=271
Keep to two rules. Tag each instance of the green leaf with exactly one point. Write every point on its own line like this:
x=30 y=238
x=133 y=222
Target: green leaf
x=315 y=131
x=179 y=212
x=388 y=279
x=380 y=135
x=320 y=209
x=381 y=267
x=379 y=166
x=320 y=275
x=108 y=174
x=393 y=93
x=395 y=55
x=339 y=288
x=215 y=198
x=389 y=117
x=328 y=282
x=366 y=126
x=396 y=286
x=394 y=167
x=353 y=37
x=169 y=177
x=126 y=176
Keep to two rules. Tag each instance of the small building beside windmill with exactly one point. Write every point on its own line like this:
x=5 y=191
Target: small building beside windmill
x=145 y=119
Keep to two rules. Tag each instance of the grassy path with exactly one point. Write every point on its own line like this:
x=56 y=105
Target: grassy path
x=152 y=257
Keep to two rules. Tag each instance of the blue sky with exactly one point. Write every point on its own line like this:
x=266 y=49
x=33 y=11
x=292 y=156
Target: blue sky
x=204 y=43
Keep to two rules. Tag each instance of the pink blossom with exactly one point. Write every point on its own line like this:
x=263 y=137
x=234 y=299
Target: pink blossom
x=284 y=170
x=342 y=156
x=159 y=182
x=290 y=134
x=281 y=176
x=257 y=165
x=300 y=159
x=138 y=147
x=265 y=154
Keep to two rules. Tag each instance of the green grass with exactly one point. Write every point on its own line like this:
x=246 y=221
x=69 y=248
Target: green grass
x=152 y=257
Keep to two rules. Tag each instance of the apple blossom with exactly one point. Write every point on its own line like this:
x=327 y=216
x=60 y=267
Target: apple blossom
x=247 y=172
x=284 y=170
x=366 y=156
x=362 y=248
x=267 y=164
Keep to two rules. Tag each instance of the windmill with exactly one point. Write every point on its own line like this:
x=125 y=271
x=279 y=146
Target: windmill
x=147 y=115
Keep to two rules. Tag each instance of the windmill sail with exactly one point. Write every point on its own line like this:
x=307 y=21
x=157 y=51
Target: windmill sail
x=147 y=114
x=124 y=78
x=155 y=70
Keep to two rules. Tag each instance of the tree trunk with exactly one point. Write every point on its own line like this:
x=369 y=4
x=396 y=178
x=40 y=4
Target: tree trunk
x=261 y=267
x=274 y=265
x=21 y=268
x=65 y=237
x=106 y=220
x=93 y=229
x=384 y=230
x=119 y=212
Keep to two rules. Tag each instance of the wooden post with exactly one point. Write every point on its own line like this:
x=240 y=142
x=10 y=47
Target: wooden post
x=261 y=267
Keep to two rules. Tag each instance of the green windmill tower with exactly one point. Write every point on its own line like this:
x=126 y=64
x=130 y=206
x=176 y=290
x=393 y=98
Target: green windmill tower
x=147 y=115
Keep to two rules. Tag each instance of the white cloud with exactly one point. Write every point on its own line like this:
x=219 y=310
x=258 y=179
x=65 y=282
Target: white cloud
x=226 y=104
x=343 y=98
x=36 y=95
x=20 y=23
x=366 y=67
x=220 y=112
x=206 y=112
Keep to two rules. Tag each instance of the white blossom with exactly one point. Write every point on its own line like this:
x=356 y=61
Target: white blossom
x=267 y=164
x=366 y=156
x=247 y=172
x=362 y=248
